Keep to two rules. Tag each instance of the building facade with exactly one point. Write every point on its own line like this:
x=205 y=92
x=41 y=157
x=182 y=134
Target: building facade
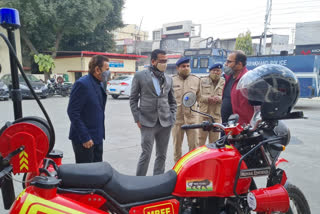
x=307 y=38
x=4 y=51
x=75 y=63
x=127 y=38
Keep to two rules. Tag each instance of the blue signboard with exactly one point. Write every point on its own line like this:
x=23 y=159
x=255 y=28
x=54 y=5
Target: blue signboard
x=295 y=63
x=116 y=64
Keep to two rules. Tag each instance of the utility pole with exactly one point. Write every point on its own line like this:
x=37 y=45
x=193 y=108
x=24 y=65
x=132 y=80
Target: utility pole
x=135 y=43
x=292 y=35
x=137 y=35
x=266 y=23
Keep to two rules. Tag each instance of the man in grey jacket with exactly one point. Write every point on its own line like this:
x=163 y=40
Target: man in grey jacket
x=155 y=114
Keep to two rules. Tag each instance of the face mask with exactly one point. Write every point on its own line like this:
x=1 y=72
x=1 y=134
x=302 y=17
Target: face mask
x=105 y=76
x=184 y=72
x=162 y=66
x=227 y=70
x=214 y=77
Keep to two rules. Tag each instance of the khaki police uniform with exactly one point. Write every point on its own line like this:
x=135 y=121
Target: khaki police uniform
x=184 y=115
x=209 y=89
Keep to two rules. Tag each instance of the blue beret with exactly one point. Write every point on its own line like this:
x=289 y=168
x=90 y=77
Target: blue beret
x=216 y=65
x=182 y=60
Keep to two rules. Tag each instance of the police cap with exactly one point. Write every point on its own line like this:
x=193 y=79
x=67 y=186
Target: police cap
x=182 y=60
x=216 y=65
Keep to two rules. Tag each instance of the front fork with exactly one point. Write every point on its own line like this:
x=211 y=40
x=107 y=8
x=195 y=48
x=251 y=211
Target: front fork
x=277 y=175
x=275 y=187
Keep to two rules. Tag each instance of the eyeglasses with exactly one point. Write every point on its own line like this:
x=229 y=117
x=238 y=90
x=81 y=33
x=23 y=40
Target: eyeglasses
x=228 y=61
x=162 y=60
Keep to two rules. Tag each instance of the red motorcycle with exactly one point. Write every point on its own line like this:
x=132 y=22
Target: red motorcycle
x=215 y=178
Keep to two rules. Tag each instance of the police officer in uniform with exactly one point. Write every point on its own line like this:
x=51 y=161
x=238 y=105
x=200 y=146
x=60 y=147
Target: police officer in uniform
x=211 y=87
x=184 y=82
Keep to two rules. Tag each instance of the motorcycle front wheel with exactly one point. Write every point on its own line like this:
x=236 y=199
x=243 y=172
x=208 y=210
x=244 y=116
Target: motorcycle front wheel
x=64 y=93
x=298 y=202
x=50 y=93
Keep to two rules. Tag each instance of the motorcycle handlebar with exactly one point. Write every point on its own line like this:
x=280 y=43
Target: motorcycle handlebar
x=192 y=126
x=4 y=172
x=205 y=125
x=10 y=155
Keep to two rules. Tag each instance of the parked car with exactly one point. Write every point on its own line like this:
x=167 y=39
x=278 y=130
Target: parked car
x=38 y=86
x=4 y=91
x=120 y=86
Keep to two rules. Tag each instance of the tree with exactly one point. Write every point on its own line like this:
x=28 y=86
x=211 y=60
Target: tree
x=101 y=38
x=244 y=43
x=46 y=25
x=45 y=62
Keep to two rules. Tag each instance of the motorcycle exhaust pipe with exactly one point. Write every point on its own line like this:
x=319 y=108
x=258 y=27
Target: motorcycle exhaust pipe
x=270 y=199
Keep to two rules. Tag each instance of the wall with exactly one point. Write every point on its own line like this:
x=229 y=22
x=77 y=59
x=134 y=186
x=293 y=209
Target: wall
x=228 y=44
x=63 y=65
x=130 y=32
x=174 y=45
x=307 y=33
x=280 y=43
x=4 y=51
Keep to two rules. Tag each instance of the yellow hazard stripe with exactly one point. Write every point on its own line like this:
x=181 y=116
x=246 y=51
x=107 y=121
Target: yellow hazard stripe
x=23 y=153
x=24 y=160
x=34 y=204
x=189 y=157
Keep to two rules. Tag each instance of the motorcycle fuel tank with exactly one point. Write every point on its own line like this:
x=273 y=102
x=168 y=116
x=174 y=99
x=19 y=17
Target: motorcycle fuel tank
x=209 y=172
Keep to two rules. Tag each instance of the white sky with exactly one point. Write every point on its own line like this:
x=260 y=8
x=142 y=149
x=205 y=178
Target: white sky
x=222 y=18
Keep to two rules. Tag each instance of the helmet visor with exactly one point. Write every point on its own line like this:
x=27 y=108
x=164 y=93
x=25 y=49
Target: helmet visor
x=258 y=87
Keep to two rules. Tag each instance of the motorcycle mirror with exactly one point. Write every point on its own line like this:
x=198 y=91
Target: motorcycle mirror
x=233 y=119
x=189 y=99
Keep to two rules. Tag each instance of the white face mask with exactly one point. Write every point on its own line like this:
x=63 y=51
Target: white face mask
x=227 y=70
x=162 y=66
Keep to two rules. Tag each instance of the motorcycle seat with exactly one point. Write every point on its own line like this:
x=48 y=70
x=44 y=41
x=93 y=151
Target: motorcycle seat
x=128 y=189
x=85 y=175
x=123 y=188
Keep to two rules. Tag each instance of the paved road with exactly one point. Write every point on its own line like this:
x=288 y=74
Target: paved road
x=122 y=146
